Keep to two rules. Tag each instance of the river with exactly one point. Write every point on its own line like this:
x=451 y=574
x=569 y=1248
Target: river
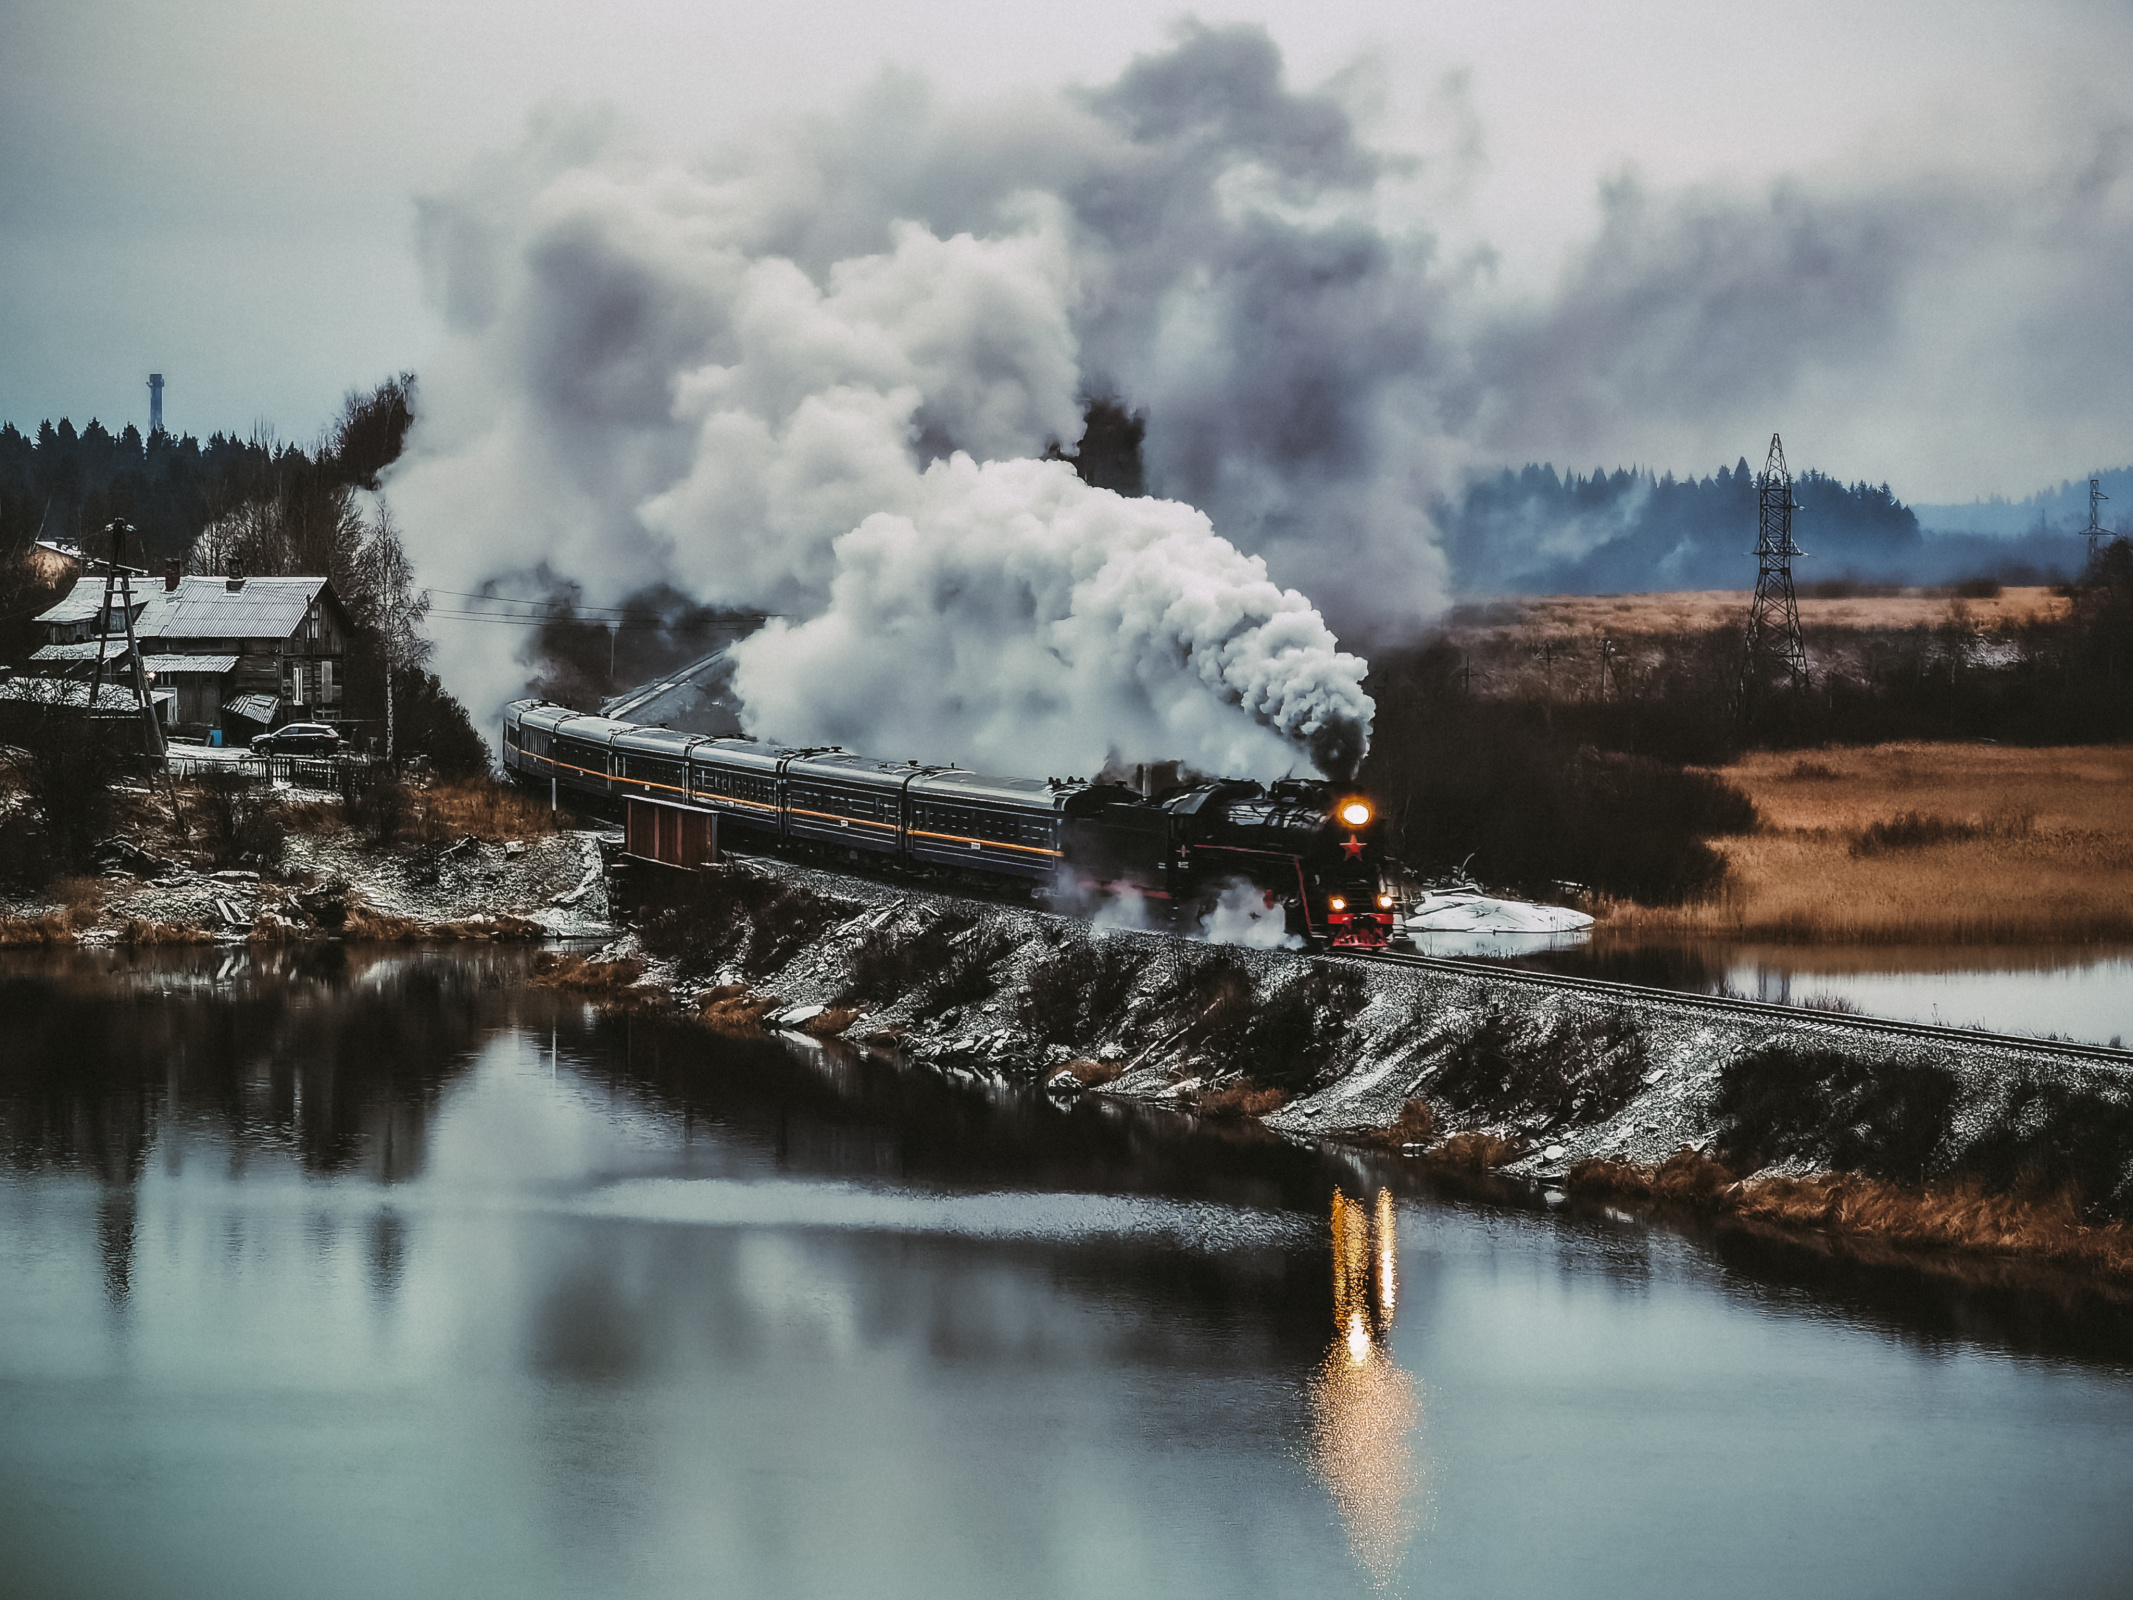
x=2079 y=992
x=331 y=1273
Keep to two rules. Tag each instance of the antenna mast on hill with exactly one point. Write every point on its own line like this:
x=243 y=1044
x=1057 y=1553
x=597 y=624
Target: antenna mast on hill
x=1774 y=641
x=2095 y=532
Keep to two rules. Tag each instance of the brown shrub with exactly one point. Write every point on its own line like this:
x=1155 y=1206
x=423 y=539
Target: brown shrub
x=831 y=1022
x=1090 y=1073
x=312 y=817
x=81 y=900
x=503 y=925
x=383 y=927
x=23 y=932
x=1685 y=1177
x=135 y=931
x=560 y=969
x=735 y=1008
x=1243 y=1098
x=1416 y=1124
x=485 y=808
x=1475 y=1152
x=1962 y=1215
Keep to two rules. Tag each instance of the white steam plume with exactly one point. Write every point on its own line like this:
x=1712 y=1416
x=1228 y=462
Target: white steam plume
x=1059 y=624
x=737 y=376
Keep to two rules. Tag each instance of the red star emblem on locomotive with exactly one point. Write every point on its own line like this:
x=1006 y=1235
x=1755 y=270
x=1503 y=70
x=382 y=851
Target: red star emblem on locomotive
x=1352 y=845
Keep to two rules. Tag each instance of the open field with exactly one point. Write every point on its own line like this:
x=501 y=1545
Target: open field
x=1927 y=843
x=1571 y=617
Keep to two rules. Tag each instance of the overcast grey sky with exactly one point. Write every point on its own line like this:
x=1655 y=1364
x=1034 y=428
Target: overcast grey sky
x=225 y=191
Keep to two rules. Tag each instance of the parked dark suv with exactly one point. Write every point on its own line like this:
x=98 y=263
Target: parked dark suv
x=298 y=739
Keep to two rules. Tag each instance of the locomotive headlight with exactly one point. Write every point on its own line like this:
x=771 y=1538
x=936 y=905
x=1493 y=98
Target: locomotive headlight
x=1384 y=902
x=1337 y=903
x=1355 y=813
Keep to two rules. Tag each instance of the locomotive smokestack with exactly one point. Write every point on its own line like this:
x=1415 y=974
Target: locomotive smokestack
x=155 y=404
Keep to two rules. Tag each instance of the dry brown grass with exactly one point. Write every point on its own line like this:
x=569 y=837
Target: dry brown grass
x=1416 y=1124
x=81 y=900
x=2002 y=845
x=313 y=817
x=485 y=808
x=1566 y=618
x=502 y=926
x=736 y=1008
x=1959 y=1216
x=46 y=931
x=828 y=1024
x=136 y=931
x=1474 y=1152
x=559 y=969
x=381 y=927
x=1244 y=1098
x=1090 y=1073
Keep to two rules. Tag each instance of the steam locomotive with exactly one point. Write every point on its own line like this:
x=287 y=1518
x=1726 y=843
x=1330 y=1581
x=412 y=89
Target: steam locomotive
x=1300 y=846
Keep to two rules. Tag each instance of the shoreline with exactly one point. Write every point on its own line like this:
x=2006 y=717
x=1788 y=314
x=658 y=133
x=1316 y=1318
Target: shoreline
x=1437 y=1069
x=1972 y=1147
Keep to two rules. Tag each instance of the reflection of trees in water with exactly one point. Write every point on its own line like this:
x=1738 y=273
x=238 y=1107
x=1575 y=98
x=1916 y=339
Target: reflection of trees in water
x=270 y=1052
x=1364 y=1408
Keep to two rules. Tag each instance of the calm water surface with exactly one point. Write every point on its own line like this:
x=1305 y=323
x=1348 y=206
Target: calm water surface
x=341 y=1275
x=2075 y=991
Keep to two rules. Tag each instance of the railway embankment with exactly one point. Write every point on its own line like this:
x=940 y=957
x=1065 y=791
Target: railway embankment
x=1644 y=1096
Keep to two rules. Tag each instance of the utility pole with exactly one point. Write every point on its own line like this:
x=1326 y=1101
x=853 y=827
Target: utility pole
x=2095 y=532
x=118 y=577
x=1774 y=641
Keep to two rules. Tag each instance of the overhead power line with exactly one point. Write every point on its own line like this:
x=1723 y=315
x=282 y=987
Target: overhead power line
x=570 y=608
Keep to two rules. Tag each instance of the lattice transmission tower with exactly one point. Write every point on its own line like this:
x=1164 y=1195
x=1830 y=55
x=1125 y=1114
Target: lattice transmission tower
x=2096 y=533
x=1774 y=642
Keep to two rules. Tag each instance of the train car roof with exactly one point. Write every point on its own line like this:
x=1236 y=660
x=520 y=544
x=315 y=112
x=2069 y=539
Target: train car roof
x=739 y=753
x=600 y=730
x=1036 y=794
x=666 y=740
x=843 y=767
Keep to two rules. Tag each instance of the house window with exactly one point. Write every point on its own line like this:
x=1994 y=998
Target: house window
x=329 y=692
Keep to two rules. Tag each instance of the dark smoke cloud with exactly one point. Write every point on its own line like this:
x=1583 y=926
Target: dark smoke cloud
x=724 y=375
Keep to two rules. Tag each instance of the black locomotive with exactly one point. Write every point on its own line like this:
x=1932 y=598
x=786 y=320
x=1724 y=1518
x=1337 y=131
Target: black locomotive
x=1302 y=845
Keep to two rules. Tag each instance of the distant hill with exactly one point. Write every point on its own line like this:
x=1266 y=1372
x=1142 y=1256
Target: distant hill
x=2060 y=510
x=1538 y=531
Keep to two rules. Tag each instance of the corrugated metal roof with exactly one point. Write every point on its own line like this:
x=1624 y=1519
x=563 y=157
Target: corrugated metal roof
x=253 y=707
x=208 y=608
x=85 y=651
x=79 y=604
x=216 y=665
x=200 y=608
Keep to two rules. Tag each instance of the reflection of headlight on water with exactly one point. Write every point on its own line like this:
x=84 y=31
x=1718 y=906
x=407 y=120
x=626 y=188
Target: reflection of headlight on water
x=1364 y=1409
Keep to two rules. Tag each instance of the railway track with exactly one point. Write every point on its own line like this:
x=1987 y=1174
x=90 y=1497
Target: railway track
x=1724 y=1005
x=2100 y=1054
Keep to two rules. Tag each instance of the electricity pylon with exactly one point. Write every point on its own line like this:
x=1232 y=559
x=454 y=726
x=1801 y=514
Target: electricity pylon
x=1774 y=641
x=2095 y=532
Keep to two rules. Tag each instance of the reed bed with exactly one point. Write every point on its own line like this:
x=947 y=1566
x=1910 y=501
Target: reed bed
x=45 y=932
x=136 y=931
x=485 y=808
x=1961 y=1215
x=1689 y=611
x=1921 y=843
x=1241 y=1099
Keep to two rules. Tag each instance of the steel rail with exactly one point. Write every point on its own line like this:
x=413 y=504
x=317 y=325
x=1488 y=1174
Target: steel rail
x=1726 y=1004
